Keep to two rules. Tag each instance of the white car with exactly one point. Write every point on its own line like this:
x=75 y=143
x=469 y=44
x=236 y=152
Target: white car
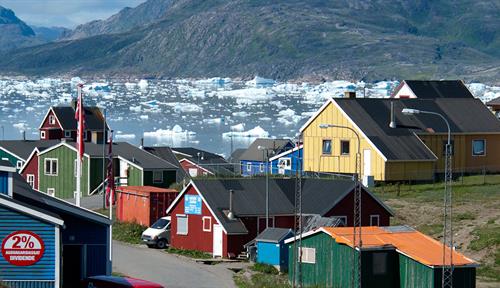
x=158 y=235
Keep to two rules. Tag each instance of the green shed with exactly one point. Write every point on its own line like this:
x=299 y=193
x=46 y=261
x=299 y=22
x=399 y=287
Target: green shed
x=396 y=256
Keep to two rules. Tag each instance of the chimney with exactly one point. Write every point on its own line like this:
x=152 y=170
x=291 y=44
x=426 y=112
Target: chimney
x=142 y=143
x=350 y=94
x=230 y=214
x=24 y=135
x=392 y=124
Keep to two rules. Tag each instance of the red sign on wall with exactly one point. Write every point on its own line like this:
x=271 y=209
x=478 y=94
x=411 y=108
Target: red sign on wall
x=22 y=248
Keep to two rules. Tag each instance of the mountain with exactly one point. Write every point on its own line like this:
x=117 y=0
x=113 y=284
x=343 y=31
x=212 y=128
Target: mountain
x=49 y=34
x=283 y=39
x=128 y=18
x=14 y=32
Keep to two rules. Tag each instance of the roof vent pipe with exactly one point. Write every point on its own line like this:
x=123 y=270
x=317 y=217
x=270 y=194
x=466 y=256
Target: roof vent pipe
x=392 y=124
x=230 y=215
x=24 y=135
x=142 y=143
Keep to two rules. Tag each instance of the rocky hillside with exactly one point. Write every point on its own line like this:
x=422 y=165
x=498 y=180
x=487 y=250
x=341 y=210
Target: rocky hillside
x=15 y=33
x=128 y=18
x=283 y=39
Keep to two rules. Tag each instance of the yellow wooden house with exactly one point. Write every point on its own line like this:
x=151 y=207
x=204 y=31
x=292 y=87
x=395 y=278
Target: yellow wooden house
x=412 y=150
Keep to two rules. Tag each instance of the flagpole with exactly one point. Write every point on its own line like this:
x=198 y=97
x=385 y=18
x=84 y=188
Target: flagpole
x=79 y=139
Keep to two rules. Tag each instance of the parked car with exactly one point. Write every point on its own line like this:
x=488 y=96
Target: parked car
x=158 y=235
x=117 y=282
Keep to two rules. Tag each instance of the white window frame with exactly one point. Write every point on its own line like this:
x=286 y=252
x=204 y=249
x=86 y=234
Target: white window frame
x=308 y=255
x=374 y=216
x=323 y=146
x=5 y=158
x=51 y=192
x=85 y=135
x=209 y=219
x=45 y=166
x=187 y=224
x=52 y=119
x=155 y=180
x=261 y=167
x=67 y=134
x=249 y=167
x=30 y=178
x=42 y=134
x=19 y=164
x=343 y=218
x=478 y=155
x=287 y=165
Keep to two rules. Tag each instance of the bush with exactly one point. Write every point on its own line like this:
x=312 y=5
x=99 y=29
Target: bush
x=128 y=232
x=264 y=268
x=189 y=253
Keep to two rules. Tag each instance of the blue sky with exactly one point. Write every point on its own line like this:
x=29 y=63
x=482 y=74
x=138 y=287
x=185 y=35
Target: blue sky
x=65 y=13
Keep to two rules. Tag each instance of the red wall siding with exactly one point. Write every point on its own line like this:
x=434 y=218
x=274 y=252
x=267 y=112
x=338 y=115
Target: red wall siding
x=32 y=168
x=46 y=123
x=196 y=239
x=369 y=207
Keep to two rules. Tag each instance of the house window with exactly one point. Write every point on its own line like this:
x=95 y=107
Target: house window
x=452 y=148
x=52 y=120
x=157 y=176
x=379 y=263
x=42 y=134
x=327 y=147
x=261 y=167
x=193 y=172
x=30 y=178
x=342 y=221
x=374 y=220
x=478 y=147
x=75 y=168
x=207 y=224
x=285 y=163
x=19 y=164
x=344 y=147
x=84 y=135
x=308 y=255
x=249 y=167
x=51 y=192
x=50 y=167
x=182 y=224
x=67 y=134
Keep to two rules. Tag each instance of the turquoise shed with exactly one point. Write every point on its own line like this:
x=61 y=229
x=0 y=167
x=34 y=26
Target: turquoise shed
x=271 y=248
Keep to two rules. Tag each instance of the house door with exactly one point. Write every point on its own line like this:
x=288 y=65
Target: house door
x=123 y=173
x=217 y=249
x=367 y=163
x=72 y=265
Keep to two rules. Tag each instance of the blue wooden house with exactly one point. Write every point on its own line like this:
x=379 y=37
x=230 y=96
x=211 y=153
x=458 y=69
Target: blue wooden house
x=254 y=161
x=286 y=163
x=48 y=242
x=271 y=248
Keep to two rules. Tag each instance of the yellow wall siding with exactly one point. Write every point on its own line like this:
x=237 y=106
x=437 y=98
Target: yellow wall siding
x=462 y=160
x=313 y=137
x=417 y=170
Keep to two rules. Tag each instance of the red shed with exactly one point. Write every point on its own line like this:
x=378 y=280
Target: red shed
x=143 y=204
x=201 y=212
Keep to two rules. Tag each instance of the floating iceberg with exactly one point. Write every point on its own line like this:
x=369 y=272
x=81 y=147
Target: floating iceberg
x=257 y=132
x=260 y=82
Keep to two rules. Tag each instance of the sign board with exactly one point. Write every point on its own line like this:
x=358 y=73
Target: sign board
x=22 y=248
x=192 y=204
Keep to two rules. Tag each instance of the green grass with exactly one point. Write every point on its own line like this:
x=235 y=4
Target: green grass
x=489 y=271
x=431 y=229
x=260 y=280
x=464 y=216
x=485 y=236
x=264 y=268
x=128 y=232
x=189 y=253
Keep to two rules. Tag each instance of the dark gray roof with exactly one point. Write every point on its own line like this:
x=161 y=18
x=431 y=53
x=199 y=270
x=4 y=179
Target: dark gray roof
x=432 y=89
x=23 y=148
x=46 y=212
x=319 y=197
x=276 y=145
x=274 y=235
x=94 y=120
x=129 y=152
x=24 y=193
x=208 y=160
x=372 y=116
x=166 y=154
x=236 y=155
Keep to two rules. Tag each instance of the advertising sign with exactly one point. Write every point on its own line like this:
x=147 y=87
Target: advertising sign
x=192 y=204
x=22 y=248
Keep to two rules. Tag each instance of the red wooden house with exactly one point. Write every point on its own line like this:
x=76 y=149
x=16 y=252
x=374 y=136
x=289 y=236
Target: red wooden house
x=207 y=218
x=59 y=123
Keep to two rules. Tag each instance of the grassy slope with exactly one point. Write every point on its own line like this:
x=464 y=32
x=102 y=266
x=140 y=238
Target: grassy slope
x=476 y=217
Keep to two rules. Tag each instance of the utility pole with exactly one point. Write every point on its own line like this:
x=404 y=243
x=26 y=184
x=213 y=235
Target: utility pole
x=297 y=259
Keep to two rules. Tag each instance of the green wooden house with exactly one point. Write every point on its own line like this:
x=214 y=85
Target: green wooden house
x=395 y=256
x=132 y=166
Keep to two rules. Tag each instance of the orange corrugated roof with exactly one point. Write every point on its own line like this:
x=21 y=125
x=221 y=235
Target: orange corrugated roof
x=145 y=189
x=412 y=243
